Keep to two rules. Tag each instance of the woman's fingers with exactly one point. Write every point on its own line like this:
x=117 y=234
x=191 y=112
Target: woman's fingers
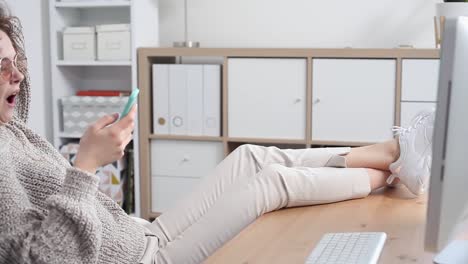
x=105 y=141
x=125 y=143
x=124 y=127
x=125 y=135
x=104 y=121
x=129 y=128
x=128 y=119
x=128 y=139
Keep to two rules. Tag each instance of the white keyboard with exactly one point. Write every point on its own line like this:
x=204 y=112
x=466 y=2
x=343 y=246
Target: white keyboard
x=348 y=248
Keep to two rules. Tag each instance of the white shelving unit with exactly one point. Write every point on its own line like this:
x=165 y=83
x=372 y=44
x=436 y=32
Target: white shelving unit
x=68 y=77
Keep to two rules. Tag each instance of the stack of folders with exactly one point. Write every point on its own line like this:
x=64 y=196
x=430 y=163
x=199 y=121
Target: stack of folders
x=187 y=99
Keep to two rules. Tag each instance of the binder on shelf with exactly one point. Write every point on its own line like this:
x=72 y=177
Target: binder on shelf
x=161 y=99
x=194 y=83
x=178 y=100
x=102 y=93
x=212 y=100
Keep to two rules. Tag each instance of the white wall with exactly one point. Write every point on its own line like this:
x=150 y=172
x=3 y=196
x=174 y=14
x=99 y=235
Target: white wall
x=34 y=17
x=301 y=23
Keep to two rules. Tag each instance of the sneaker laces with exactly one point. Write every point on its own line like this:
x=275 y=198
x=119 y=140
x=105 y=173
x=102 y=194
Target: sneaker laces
x=417 y=121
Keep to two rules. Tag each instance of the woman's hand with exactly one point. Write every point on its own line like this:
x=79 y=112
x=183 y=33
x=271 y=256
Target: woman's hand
x=105 y=142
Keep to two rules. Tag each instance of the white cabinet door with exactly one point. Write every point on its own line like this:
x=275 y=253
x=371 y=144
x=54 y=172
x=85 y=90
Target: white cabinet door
x=353 y=100
x=410 y=110
x=419 y=80
x=183 y=158
x=167 y=191
x=267 y=98
x=177 y=166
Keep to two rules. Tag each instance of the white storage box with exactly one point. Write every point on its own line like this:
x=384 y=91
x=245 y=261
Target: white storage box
x=79 y=43
x=113 y=42
x=81 y=111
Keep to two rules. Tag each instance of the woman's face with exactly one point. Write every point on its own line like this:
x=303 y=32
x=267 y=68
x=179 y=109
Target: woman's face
x=10 y=79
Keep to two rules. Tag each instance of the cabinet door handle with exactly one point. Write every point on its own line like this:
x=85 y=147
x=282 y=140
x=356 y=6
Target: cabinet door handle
x=316 y=101
x=186 y=159
x=298 y=100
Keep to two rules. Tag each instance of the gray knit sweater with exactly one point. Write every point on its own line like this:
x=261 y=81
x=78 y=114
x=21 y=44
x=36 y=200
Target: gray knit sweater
x=51 y=212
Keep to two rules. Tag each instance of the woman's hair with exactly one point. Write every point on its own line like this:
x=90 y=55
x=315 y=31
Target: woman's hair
x=7 y=22
x=13 y=29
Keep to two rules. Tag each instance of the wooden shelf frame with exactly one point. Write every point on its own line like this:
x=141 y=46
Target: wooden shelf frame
x=148 y=56
x=93 y=4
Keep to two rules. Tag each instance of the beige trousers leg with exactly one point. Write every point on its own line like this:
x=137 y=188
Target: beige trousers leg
x=251 y=181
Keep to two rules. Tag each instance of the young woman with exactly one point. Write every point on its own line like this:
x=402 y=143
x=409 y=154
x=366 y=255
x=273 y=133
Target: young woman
x=53 y=213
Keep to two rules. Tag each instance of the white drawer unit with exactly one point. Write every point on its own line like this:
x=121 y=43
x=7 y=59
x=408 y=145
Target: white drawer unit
x=410 y=109
x=183 y=158
x=353 y=100
x=177 y=167
x=267 y=98
x=419 y=80
x=167 y=191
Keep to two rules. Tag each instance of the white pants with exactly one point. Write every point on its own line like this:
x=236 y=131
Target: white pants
x=250 y=182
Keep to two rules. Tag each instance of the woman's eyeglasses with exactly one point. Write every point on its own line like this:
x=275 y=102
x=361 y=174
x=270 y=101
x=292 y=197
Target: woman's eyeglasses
x=7 y=67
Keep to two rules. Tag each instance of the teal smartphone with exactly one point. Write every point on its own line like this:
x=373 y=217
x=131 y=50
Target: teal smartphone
x=132 y=99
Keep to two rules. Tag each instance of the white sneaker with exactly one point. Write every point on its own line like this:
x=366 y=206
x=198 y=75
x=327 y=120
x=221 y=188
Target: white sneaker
x=413 y=167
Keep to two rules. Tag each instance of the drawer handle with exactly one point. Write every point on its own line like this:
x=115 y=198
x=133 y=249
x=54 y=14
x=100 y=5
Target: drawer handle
x=79 y=45
x=316 y=101
x=298 y=100
x=186 y=159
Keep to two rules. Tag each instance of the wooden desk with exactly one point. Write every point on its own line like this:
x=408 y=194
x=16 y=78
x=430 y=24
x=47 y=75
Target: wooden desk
x=288 y=236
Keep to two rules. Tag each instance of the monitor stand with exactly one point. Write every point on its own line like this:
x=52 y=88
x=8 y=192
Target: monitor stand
x=456 y=252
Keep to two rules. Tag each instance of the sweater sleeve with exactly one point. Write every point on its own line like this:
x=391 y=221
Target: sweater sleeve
x=70 y=233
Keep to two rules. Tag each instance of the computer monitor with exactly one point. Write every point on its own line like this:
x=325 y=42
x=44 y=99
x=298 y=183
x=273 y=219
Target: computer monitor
x=448 y=191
